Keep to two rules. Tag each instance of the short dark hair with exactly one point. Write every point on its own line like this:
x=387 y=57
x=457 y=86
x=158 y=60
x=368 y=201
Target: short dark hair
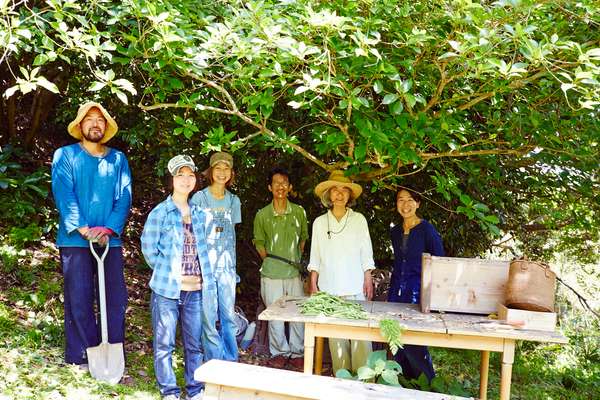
x=416 y=196
x=278 y=171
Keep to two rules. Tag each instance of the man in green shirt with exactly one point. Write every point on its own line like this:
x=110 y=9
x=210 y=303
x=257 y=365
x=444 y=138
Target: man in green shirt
x=280 y=232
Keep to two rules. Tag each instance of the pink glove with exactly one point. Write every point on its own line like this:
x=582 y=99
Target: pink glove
x=98 y=233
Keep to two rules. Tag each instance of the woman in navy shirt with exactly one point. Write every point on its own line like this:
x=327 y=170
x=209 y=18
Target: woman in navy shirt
x=410 y=239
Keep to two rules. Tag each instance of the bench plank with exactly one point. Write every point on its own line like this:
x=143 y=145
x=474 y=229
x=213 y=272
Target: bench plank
x=228 y=380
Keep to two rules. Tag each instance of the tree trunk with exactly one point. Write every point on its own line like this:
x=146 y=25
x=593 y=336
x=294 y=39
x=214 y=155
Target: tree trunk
x=10 y=118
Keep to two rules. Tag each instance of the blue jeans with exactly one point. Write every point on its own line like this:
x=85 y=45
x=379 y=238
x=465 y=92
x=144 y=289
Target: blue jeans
x=221 y=345
x=165 y=315
x=82 y=328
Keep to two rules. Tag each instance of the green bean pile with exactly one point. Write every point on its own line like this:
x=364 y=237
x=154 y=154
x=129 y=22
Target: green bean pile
x=329 y=305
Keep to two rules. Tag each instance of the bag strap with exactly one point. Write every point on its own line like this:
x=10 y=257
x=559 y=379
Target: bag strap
x=285 y=260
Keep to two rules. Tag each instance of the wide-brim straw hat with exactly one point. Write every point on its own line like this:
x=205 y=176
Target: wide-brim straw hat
x=111 y=126
x=337 y=178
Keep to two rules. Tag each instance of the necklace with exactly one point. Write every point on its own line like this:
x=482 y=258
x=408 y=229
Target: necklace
x=329 y=231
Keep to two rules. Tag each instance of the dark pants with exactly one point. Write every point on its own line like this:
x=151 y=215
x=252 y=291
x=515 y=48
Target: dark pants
x=414 y=360
x=82 y=319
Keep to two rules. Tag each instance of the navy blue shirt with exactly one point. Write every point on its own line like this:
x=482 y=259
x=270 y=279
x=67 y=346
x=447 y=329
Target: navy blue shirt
x=405 y=285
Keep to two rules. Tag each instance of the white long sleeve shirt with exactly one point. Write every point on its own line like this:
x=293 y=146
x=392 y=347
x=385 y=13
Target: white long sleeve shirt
x=341 y=252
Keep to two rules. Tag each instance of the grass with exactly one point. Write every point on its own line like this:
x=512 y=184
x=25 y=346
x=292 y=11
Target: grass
x=31 y=340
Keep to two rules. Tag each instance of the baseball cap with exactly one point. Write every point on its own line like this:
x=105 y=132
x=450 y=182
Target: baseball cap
x=221 y=156
x=179 y=161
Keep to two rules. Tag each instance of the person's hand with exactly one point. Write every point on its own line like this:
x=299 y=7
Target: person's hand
x=102 y=240
x=368 y=285
x=99 y=234
x=83 y=231
x=314 y=279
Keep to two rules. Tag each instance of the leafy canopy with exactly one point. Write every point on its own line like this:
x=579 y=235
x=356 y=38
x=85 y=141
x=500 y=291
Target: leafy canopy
x=491 y=108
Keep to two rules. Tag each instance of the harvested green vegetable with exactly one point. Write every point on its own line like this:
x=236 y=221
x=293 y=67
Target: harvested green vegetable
x=392 y=332
x=328 y=305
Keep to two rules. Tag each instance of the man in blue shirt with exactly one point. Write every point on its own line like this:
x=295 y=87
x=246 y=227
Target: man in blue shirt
x=91 y=184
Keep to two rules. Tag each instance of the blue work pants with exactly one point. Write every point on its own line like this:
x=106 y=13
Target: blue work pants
x=82 y=318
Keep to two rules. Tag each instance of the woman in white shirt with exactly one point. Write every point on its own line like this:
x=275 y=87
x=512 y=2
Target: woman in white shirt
x=341 y=259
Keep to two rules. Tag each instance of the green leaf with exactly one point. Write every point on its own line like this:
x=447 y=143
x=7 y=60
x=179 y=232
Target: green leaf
x=360 y=152
x=40 y=59
x=343 y=374
x=378 y=87
x=466 y=200
x=397 y=108
x=390 y=98
x=46 y=84
x=375 y=356
x=379 y=367
x=365 y=373
x=411 y=100
x=121 y=95
x=10 y=91
x=491 y=219
x=126 y=85
x=390 y=377
x=95 y=86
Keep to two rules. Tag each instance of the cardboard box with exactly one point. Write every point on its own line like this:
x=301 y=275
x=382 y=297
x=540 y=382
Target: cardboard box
x=523 y=319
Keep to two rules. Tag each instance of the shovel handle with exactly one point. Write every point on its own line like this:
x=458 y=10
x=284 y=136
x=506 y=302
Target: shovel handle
x=99 y=259
x=101 y=290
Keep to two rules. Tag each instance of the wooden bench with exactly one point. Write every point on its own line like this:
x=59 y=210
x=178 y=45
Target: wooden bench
x=227 y=380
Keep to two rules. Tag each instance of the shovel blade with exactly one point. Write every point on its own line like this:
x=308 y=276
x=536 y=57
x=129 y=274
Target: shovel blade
x=106 y=362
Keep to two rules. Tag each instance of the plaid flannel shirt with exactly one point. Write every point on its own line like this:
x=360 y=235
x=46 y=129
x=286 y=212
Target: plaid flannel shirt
x=162 y=246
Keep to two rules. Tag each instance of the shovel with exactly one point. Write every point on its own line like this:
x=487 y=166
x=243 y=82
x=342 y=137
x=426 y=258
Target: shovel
x=106 y=361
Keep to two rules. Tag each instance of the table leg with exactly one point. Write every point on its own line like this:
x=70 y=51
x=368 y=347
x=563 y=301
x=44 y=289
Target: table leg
x=309 y=348
x=483 y=373
x=319 y=355
x=508 y=356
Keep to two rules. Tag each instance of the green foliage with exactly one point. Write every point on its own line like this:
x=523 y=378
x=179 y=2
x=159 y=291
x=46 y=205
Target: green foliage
x=23 y=197
x=378 y=369
x=489 y=108
x=391 y=331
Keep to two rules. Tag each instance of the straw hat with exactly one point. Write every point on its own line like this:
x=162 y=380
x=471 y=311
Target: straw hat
x=337 y=178
x=111 y=126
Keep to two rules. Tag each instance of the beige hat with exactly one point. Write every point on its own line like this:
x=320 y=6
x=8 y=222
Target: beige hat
x=337 y=178
x=111 y=126
x=221 y=156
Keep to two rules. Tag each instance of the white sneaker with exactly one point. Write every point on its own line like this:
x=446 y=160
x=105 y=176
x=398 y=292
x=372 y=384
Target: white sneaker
x=198 y=396
x=171 y=397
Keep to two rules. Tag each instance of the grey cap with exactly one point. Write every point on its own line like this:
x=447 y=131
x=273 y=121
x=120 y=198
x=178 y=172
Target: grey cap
x=179 y=161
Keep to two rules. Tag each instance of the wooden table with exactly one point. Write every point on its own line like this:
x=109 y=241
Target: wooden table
x=458 y=331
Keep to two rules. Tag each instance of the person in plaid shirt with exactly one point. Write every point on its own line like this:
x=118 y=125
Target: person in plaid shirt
x=174 y=246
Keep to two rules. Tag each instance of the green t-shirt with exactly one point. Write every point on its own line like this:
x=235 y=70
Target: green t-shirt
x=280 y=235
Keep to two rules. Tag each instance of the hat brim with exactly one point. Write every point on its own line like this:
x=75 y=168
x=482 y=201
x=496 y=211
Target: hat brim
x=74 y=127
x=326 y=185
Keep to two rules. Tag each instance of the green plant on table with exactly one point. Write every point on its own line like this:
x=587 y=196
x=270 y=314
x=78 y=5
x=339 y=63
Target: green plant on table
x=391 y=330
x=328 y=305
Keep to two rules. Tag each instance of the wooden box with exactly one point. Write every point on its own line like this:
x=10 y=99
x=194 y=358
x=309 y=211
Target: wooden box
x=523 y=319
x=466 y=285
